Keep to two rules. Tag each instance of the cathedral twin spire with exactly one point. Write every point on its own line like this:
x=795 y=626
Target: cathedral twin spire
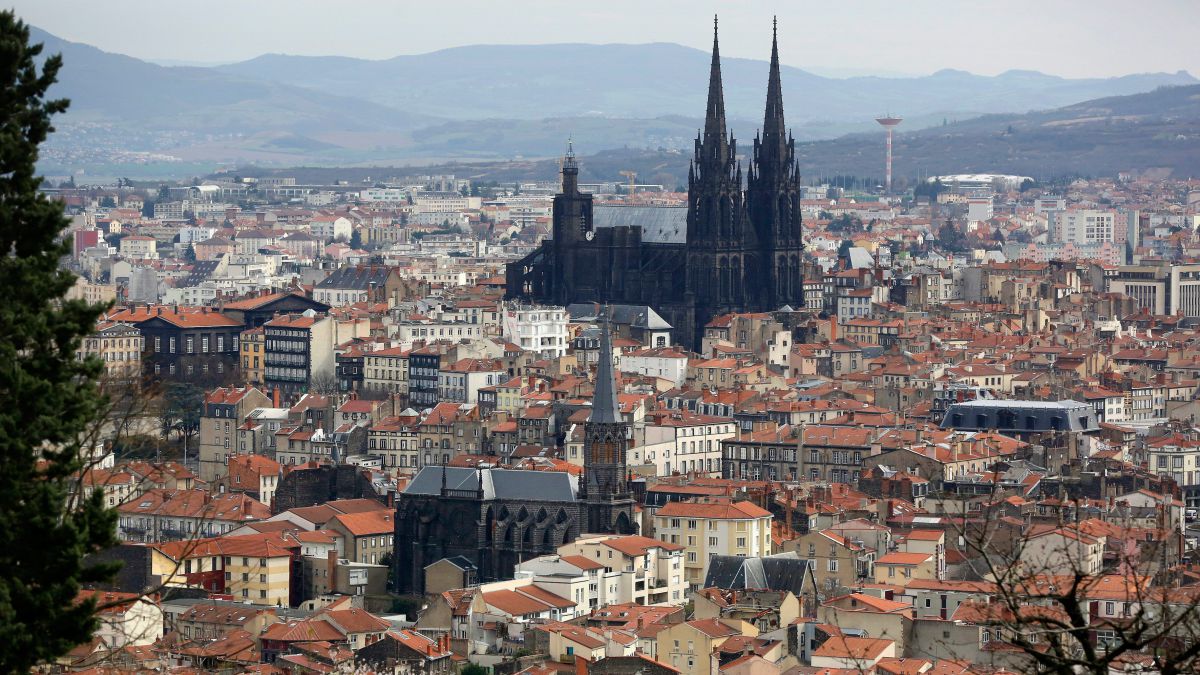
x=715 y=138
x=773 y=150
x=773 y=156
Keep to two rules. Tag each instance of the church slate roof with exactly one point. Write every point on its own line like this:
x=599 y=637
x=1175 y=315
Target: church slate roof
x=784 y=572
x=637 y=316
x=659 y=224
x=540 y=486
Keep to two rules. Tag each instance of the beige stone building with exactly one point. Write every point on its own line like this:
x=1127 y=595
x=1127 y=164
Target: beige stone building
x=118 y=345
x=224 y=410
x=251 y=348
x=713 y=527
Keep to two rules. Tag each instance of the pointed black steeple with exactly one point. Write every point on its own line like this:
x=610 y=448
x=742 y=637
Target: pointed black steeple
x=774 y=157
x=604 y=403
x=715 y=139
x=605 y=447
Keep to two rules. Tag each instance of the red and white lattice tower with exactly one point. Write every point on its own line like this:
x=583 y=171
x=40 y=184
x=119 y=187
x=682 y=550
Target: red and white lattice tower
x=889 y=123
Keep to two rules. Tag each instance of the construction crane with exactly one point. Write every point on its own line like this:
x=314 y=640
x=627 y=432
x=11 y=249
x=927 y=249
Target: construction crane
x=632 y=176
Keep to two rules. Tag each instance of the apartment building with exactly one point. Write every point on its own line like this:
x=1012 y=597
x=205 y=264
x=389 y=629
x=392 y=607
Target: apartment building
x=624 y=569
x=179 y=515
x=394 y=440
x=536 y=328
x=118 y=345
x=298 y=351
x=386 y=370
x=252 y=355
x=693 y=647
x=257 y=570
x=224 y=410
x=460 y=382
x=710 y=527
x=368 y=535
x=694 y=443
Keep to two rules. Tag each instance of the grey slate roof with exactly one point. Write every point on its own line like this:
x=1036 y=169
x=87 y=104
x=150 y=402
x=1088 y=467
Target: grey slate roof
x=637 y=316
x=860 y=258
x=660 y=224
x=200 y=272
x=604 y=401
x=783 y=572
x=461 y=562
x=541 y=486
x=1021 y=416
x=356 y=277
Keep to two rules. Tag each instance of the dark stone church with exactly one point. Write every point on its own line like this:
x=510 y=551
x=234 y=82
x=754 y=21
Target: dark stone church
x=497 y=518
x=736 y=248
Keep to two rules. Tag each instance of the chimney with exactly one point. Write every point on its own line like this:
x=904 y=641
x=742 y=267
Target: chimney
x=331 y=559
x=275 y=397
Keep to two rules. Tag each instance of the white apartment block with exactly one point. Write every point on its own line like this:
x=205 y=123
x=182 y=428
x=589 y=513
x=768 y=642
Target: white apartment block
x=979 y=209
x=696 y=447
x=408 y=332
x=385 y=195
x=460 y=382
x=600 y=570
x=535 y=328
x=1087 y=226
x=445 y=202
x=667 y=363
x=139 y=247
x=330 y=227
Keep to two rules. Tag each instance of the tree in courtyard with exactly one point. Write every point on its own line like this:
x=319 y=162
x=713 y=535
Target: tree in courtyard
x=182 y=406
x=950 y=238
x=48 y=398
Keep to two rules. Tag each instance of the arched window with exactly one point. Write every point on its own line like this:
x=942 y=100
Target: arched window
x=723 y=272
x=736 y=275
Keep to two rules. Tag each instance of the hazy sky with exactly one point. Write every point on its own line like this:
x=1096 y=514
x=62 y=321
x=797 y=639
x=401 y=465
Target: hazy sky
x=1074 y=38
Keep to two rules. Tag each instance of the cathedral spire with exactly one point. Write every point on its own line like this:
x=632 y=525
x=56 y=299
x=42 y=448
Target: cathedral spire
x=604 y=402
x=774 y=138
x=715 y=141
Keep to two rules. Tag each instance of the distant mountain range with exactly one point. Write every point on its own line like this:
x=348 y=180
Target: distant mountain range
x=1156 y=132
x=1153 y=131
x=655 y=80
x=485 y=102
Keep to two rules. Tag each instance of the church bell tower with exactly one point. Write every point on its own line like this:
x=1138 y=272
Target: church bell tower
x=605 y=490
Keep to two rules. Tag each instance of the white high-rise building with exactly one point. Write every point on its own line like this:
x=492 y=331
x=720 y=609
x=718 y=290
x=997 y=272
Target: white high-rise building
x=979 y=209
x=536 y=328
x=1087 y=226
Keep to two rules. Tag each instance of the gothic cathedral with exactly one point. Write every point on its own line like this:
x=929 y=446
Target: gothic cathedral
x=741 y=249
